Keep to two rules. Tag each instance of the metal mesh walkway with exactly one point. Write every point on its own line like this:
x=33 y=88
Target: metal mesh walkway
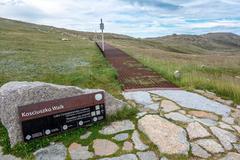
x=131 y=73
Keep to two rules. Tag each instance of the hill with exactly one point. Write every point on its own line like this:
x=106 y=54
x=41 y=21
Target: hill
x=201 y=44
x=30 y=52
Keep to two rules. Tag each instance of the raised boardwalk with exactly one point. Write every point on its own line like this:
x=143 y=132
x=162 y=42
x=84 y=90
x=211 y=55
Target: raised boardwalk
x=131 y=73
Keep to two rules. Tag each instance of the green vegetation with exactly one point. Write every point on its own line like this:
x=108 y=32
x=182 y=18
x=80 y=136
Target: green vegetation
x=39 y=53
x=219 y=72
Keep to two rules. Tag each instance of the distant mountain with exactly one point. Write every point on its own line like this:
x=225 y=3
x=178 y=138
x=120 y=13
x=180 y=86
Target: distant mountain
x=219 y=42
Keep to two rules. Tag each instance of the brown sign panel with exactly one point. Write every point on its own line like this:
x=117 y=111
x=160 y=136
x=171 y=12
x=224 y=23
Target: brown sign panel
x=55 y=116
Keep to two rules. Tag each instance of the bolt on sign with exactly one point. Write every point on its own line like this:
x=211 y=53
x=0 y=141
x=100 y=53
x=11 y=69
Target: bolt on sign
x=56 y=116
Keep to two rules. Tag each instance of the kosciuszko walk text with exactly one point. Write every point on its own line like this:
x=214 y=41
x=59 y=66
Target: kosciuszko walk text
x=55 y=116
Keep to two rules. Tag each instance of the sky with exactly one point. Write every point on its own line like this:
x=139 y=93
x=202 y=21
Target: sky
x=137 y=18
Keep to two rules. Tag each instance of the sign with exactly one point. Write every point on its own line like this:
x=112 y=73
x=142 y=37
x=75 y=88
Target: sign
x=51 y=117
x=102 y=25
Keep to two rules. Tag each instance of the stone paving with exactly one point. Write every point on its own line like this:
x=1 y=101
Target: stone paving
x=163 y=129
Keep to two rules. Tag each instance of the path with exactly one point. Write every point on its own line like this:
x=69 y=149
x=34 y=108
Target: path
x=131 y=73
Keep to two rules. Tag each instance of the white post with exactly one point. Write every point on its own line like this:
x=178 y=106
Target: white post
x=102 y=28
x=102 y=40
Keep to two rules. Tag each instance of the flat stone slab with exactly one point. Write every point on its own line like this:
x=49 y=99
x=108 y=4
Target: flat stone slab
x=228 y=120
x=54 y=152
x=103 y=147
x=198 y=151
x=127 y=146
x=149 y=155
x=116 y=127
x=168 y=137
x=225 y=126
x=122 y=157
x=206 y=122
x=141 y=114
x=140 y=97
x=168 y=106
x=154 y=106
x=210 y=145
x=178 y=117
x=121 y=137
x=202 y=114
x=79 y=152
x=225 y=137
x=194 y=101
x=196 y=130
x=231 y=156
x=138 y=144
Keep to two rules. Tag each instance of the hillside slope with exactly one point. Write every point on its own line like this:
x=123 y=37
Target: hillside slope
x=207 y=43
x=30 y=52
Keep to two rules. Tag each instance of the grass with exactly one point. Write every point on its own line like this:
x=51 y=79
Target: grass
x=219 y=73
x=37 y=53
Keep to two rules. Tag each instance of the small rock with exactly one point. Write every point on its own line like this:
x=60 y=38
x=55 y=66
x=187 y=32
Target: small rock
x=79 y=152
x=225 y=126
x=206 y=122
x=168 y=137
x=225 y=137
x=238 y=106
x=154 y=106
x=228 y=120
x=231 y=156
x=116 y=127
x=54 y=152
x=127 y=146
x=121 y=137
x=237 y=128
x=177 y=74
x=103 y=147
x=198 y=151
x=122 y=157
x=196 y=130
x=141 y=114
x=182 y=111
x=237 y=147
x=210 y=145
x=163 y=158
x=86 y=135
x=149 y=155
x=138 y=144
x=202 y=114
x=168 y=106
x=178 y=117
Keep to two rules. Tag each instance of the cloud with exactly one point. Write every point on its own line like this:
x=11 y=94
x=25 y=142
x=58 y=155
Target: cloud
x=138 y=18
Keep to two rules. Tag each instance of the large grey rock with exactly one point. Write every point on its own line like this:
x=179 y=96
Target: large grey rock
x=116 y=127
x=225 y=137
x=122 y=157
x=210 y=145
x=149 y=155
x=53 y=152
x=103 y=147
x=7 y=157
x=15 y=94
x=196 y=130
x=138 y=144
x=79 y=152
x=168 y=137
x=198 y=151
x=231 y=156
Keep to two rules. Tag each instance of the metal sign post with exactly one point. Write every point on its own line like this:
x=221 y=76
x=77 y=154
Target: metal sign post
x=102 y=28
